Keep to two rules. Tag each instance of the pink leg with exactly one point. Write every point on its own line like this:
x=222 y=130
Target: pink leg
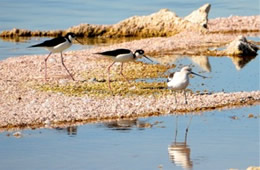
x=185 y=97
x=66 y=67
x=45 y=62
x=121 y=72
x=109 y=74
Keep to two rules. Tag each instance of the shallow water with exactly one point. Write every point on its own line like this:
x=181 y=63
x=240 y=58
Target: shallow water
x=62 y=14
x=215 y=140
x=224 y=74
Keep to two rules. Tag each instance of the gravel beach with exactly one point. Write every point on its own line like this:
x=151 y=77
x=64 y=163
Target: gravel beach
x=25 y=100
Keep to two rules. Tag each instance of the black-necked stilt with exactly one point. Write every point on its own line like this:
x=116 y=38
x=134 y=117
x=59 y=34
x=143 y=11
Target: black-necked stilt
x=180 y=80
x=122 y=55
x=57 y=45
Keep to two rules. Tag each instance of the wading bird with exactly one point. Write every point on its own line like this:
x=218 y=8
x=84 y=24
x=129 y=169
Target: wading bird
x=122 y=55
x=57 y=45
x=178 y=81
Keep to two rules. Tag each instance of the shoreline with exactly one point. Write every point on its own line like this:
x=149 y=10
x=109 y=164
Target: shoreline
x=246 y=101
x=61 y=100
x=163 y=23
x=56 y=108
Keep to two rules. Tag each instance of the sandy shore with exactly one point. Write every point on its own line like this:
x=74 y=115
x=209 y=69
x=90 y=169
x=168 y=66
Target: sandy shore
x=26 y=100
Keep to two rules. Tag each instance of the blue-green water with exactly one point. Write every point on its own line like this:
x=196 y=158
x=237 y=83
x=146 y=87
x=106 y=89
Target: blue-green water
x=215 y=140
x=62 y=14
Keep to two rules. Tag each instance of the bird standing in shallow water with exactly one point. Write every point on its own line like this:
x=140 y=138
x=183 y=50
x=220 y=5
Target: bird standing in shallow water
x=57 y=45
x=180 y=80
x=122 y=55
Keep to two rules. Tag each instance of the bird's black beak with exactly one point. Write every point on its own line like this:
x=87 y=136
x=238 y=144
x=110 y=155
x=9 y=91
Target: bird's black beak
x=197 y=74
x=147 y=58
x=78 y=41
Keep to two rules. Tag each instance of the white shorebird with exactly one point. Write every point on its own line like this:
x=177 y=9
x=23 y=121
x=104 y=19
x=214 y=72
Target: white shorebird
x=122 y=55
x=57 y=45
x=178 y=81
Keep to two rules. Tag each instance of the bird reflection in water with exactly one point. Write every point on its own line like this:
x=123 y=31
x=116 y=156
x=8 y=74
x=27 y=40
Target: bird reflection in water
x=70 y=130
x=129 y=124
x=179 y=152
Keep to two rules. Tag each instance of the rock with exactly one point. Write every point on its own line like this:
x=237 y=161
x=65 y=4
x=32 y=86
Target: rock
x=253 y=168
x=250 y=115
x=52 y=60
x=17 y=134
x=200 y=16
x=47 y=122
x=241 y=47
x=234 y=117
x=161 y=23
x=92 y=80
x=63 y=82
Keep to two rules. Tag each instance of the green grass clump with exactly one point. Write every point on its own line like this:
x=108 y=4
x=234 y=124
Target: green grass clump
x=101 y=89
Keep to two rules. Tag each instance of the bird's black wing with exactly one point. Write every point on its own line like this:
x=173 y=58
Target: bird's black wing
x=170 y=77
x=115 y=52
x=172 y=74
x=51 y=43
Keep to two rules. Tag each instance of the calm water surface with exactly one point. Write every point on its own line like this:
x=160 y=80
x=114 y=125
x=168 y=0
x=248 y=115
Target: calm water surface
x=224 y=73
x=215 y=140
x=62 y=14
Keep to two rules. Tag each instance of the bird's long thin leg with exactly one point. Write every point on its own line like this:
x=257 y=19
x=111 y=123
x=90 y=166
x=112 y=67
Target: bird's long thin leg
x=185 y=97
x=187 y=129
x=176 y=129
x=66 y=67
x=108 y=68
x=45 y=62
x=175 y=96
x=121 y=72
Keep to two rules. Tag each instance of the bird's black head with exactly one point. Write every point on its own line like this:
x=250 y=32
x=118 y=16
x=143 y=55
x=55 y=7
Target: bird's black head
x=139 y=52
x=70 y=35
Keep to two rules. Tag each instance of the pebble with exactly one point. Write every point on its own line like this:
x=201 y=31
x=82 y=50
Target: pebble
x=17 y=134
x=52 y=60
x=250 y=115
x=63 y=81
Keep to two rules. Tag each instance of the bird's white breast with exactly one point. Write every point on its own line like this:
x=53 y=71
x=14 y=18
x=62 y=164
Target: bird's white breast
x=179 y=82
x=124 y=57
x=60 y=47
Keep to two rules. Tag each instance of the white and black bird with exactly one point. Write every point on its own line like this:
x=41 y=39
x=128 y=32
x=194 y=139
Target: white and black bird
x=122 y=55
x=57 y=45
x=178 y=81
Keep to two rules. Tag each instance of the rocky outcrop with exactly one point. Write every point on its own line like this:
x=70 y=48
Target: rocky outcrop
x=200 y=16
x=253 y=168
x=15 y=32
x=241 y=47
x=161 y=23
